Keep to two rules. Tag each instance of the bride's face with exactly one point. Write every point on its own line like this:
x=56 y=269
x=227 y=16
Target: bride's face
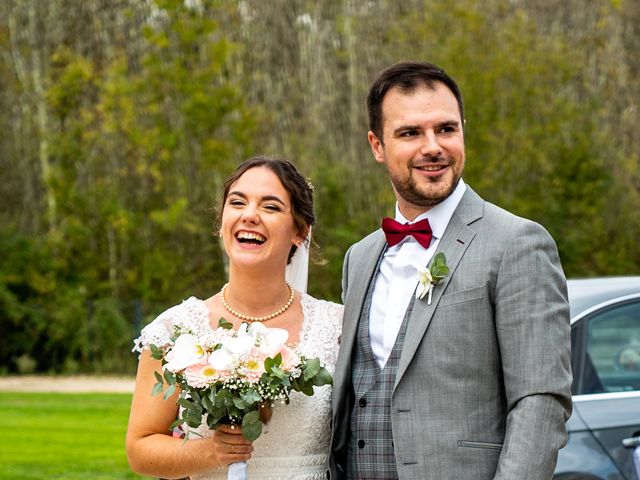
x=257 y=222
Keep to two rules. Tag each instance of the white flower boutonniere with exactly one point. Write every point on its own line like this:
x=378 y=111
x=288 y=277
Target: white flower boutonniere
x=429 y=277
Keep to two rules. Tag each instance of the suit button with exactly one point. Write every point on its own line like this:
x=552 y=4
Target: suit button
x=362 y=402
x=360 y=443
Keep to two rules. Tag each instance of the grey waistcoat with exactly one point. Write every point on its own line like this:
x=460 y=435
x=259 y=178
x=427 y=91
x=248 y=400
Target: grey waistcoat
x=370 y=453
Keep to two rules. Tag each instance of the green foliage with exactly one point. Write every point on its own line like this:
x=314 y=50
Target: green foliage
x=138 y=143
x=47 y=316
x=116 y=135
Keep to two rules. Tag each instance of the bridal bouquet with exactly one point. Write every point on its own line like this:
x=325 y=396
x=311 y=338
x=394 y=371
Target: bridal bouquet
x=227 y=376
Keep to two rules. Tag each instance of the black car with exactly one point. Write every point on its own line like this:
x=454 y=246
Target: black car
x=605 y=340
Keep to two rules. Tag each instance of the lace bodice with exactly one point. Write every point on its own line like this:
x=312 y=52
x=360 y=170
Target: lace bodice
x=295 y=443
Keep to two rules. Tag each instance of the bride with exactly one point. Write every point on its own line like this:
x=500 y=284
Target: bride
x=266 y=216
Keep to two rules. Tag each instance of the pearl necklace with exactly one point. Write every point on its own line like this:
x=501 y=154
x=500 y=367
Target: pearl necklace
x=264 y=318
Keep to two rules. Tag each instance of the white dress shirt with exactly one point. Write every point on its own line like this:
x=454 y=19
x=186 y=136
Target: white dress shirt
x=397 y=277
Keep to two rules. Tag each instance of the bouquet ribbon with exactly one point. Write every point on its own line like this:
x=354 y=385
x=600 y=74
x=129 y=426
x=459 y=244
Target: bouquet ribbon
x=237 y=471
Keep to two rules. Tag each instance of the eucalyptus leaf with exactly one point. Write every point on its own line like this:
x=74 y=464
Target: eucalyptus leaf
x=170 y=391
x=176 y=423
x=207 y=403
x=217 y=414
x=157 y=388
x=169 y=377
x=193 y=421
x=251 y=396
x=252 y=430
x=440 y=258
x=268 y=364
x=323 y=377
x=277 y=372
x=224 y=397
x=307 y=389
x=156 y=353
x=223 y=323
x=313 y=367
x=277 y=360
x=252 y=416
x=251 y=425
x=295 y=384
x=239 y=403
x=439 y=268
x=212 y=393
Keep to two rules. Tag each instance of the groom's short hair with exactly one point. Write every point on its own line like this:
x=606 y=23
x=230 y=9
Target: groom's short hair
x=407 y=76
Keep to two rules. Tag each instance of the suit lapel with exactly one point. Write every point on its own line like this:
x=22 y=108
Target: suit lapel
x=453 y=244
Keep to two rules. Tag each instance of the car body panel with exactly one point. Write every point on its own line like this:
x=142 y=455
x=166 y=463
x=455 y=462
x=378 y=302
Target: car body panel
x=611 y=418
x=600 y=421
x=583 y=455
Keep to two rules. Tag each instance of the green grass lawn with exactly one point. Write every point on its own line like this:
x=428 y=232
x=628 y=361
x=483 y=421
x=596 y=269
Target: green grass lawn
x=63 y=436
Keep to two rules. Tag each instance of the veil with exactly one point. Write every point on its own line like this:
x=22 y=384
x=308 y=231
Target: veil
x=297 y=272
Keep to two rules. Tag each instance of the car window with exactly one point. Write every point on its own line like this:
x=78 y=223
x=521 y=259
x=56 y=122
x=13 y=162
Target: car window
x=613 y=349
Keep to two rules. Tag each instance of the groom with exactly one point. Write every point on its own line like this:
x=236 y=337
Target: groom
x=471 y=380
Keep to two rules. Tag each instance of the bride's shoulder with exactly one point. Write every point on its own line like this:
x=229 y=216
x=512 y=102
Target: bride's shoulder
x=160 y=330
x=318 y=303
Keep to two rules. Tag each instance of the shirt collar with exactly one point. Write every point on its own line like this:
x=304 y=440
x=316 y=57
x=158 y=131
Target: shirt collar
x=440 y=215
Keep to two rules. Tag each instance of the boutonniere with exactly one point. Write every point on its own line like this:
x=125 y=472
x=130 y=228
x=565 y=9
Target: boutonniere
x=429 y=277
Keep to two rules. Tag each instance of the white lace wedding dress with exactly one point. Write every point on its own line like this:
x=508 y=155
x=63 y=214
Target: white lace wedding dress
x=295 y=442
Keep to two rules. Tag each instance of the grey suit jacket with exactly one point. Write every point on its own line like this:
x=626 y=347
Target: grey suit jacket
x=483 y=388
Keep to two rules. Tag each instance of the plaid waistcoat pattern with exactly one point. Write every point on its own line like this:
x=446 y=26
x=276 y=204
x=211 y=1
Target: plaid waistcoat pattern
x=370 y=453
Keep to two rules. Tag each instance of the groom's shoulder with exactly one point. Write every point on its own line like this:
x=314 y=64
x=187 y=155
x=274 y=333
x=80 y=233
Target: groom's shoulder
x=500 y=221
x=369 y=241
x=357 y=251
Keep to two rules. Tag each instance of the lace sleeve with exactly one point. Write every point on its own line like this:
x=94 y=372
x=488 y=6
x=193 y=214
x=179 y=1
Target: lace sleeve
x=190 y=314
x=158 y=332
x=334 y=311
x=322 y=333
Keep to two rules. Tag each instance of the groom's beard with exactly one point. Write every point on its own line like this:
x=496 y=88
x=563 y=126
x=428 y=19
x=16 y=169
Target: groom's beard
x=428 y=193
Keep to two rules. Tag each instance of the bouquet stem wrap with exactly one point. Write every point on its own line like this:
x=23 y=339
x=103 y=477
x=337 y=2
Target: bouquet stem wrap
x=237 y=471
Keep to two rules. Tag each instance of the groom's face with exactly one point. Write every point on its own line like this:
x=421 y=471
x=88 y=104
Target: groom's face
x=422 y=146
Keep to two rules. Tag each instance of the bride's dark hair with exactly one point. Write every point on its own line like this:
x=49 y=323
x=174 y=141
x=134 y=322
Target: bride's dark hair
x=300 y=191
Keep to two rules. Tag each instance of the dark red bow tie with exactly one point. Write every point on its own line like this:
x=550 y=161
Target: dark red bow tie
x=396 y=231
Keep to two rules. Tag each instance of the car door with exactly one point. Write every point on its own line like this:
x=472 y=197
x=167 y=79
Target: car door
x=606 y=361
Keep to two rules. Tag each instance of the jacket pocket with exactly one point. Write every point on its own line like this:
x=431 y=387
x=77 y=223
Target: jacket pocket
x=469 y=295
x=486 y=445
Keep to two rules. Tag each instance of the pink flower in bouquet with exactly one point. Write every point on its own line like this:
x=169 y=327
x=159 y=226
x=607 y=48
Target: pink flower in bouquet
x=186 y=351
x=201 y=375
x=254 y=366
x=290 y=359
